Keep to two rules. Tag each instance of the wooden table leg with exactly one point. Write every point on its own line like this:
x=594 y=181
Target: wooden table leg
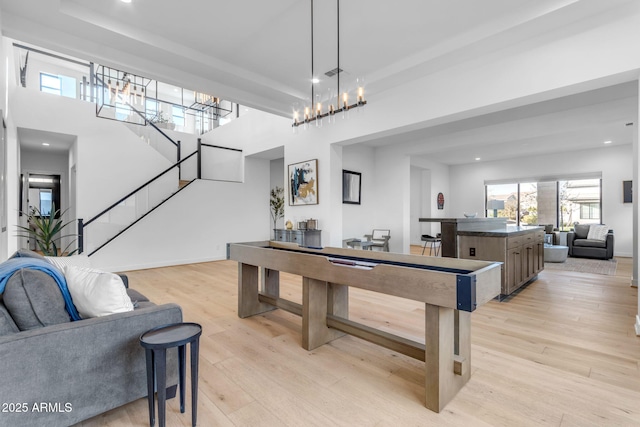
x=447 y=332
x=248 y=303
x=315 y=303
x=271 y=282
x=151 y=385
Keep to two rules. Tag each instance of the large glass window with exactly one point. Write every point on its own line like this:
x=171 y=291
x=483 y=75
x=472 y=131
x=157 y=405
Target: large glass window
x=502 y=202
x=122 y=111
x=580 y=201
x=58 y=85
x=50 y=84
x=528 y=203
x=562 y=203
x=151 y=109
x=177 y=115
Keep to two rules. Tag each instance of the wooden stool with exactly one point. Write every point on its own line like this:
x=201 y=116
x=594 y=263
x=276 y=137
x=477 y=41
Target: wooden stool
x=156 y=342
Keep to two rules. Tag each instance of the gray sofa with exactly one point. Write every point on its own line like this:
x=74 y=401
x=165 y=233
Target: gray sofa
x=61 y=374
x=580 y=246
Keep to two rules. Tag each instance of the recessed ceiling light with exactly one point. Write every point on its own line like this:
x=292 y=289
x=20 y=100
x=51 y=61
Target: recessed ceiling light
x=125 y=1
x=315 y=80
x=477 y=158
x=608 y=142
x=46 y=144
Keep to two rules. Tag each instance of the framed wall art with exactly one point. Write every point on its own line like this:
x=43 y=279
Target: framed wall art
x=351 y=187
x=627 y=192
x=303 y=183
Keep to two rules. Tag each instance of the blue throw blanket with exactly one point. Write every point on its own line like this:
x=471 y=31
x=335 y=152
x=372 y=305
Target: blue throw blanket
x=12 y=265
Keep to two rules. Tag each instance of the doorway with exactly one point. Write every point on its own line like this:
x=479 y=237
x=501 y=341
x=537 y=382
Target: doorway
x=43 y=198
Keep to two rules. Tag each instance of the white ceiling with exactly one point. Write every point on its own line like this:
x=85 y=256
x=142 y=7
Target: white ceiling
x=257 y=53
x=33 y=140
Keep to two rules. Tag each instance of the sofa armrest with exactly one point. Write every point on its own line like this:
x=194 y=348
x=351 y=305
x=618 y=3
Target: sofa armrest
x=610 y=243
x=571 y=237
x=125 y=280
x=87 y=367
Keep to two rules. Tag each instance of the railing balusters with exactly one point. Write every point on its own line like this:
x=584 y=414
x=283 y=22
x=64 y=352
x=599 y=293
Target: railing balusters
x=199 y=173
x=80 y=236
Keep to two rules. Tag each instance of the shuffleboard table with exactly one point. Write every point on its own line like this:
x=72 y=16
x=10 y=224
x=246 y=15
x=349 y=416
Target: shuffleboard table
x=450 y=288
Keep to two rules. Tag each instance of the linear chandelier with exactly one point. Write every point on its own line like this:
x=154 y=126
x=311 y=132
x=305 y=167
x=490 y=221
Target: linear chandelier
x=315 y=111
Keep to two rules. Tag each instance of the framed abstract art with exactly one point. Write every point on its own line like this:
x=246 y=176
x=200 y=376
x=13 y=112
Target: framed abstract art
x=303 y=183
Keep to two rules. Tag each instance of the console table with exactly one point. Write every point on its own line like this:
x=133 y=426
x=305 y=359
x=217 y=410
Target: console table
x=301 y=237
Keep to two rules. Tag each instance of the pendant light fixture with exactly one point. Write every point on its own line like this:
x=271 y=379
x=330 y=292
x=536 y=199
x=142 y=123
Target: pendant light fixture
x=315 y=112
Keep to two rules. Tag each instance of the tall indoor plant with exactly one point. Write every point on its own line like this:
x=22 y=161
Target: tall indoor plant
x=277 y=204
x=45 y=230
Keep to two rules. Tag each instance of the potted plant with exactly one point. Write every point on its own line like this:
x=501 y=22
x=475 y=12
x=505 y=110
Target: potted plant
x=46 y=230
x=162 y=122
x=277 y=204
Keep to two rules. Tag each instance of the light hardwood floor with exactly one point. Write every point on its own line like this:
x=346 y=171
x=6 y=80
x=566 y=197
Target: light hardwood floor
x=562 y=351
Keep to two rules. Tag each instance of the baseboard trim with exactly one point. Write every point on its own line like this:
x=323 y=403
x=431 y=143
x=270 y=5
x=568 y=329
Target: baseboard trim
x=125 y=268
x=638 y=325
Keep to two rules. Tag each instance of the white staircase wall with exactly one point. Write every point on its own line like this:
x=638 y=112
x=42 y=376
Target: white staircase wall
x=111 y=161
x=196 y=224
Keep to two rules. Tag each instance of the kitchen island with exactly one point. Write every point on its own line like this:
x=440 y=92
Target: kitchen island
x=449 y=228
x=520 y=249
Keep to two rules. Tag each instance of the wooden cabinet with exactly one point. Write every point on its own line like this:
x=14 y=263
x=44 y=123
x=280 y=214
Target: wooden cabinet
x=301 y=237
x=521 y=252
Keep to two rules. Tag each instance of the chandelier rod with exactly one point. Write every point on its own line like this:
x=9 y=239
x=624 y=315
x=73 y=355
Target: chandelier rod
x=312 y=77
x=338 y=50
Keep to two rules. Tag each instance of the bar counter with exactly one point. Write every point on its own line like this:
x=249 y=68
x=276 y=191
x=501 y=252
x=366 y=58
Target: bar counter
x=450 y=228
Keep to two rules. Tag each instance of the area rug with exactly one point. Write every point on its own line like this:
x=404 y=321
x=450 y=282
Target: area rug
x=585 y=265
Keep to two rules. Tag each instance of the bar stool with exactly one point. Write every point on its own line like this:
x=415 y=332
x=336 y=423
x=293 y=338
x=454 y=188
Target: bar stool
x=435 y=242
x=156 y=342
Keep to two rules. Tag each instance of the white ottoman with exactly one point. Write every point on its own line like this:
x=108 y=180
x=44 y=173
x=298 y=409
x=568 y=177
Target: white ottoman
x=555 y=253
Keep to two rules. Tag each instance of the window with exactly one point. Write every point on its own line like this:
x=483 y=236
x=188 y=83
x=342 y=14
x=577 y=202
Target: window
x=589 y=210
x=177 y=114
x=122 y=111
x=50 y=84
x=45 y=202
x=502 y=202
x=528 y=203
x=561 y=203
x=58 y=85
x=151 y=108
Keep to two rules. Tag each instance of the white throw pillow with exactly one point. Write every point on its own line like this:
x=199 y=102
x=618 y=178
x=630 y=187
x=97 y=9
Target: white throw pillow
x=74 y=260
x=598 y=232
x=96 y=293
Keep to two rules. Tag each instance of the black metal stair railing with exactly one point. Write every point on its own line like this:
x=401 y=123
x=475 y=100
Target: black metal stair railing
x=167 y=185
x=142 y=115
x=102 y=217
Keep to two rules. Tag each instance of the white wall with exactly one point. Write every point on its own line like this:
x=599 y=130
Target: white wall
x=357 y=220
x=4 y=233
x=420 y=193
x=276 y=174
x=393 y=197
x=191 y=228
x=435 y=179
x=614 y=162
x=111 y=161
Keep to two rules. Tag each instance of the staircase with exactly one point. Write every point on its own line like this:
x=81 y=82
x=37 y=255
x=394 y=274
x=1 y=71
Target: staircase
x=99 y=231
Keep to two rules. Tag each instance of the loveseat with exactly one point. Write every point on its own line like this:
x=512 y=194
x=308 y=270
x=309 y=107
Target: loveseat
x=61 y=374
x=584 y=242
